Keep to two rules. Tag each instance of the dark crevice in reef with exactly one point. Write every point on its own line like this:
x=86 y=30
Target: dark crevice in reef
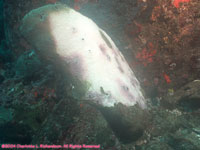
x=2 y=33
x=121 y=128
x=189 y=104
x=15 y=134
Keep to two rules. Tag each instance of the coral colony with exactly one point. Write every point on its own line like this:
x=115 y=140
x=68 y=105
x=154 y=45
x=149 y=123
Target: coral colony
x=90 y=55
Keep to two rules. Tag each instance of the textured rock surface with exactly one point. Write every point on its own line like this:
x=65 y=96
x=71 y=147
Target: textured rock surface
x=70 y=122
x=187 y=97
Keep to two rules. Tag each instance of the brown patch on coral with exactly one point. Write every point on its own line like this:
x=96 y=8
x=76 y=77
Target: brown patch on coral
x=103 y=50
x=124 y=90
x=120 y=69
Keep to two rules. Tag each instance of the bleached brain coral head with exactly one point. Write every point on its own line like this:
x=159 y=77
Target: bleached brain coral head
x=90 y=54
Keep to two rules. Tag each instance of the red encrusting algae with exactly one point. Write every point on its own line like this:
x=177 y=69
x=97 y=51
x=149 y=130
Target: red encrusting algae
x=177 y=2
x=146 y=56
x=167 y=78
